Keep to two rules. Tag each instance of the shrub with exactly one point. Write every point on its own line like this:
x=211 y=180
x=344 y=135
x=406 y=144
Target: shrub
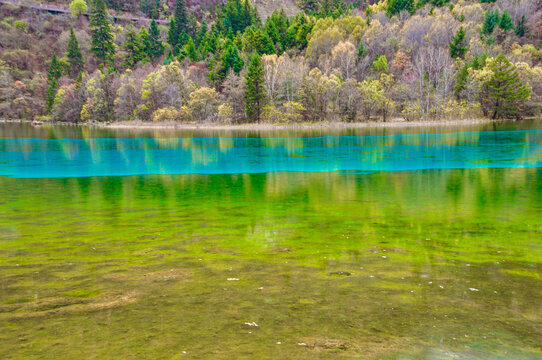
x=412 y=111
x=21 y=25
x=225 y=112
x=78 y=7
x=165 y=114
x=293 y=111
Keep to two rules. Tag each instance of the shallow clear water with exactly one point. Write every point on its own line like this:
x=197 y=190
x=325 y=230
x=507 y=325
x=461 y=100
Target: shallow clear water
x=444 y=260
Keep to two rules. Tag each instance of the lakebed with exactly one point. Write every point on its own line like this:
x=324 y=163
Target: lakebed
x=355 y=243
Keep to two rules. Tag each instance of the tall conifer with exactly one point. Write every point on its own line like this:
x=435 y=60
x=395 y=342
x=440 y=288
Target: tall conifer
x=154 y=47
x=75 y=58
x=102 y=38
x=506 y=91
x=53 y=74
x=134 y=48
x=458 y=46
x=255 y=90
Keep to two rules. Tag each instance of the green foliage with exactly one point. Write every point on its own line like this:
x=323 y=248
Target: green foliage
x=323 y=8
x=506 y=21
x=230 y=60
x=458 y=46
x=154 y=48
x=361 y=50
x=151 y=8
x=396 y=6
x=255 y=90
x=172 y=36
x=133 y=47
x=53 y=74
x=78 y=7
x=258 y=40
x=237 y=16
x=507 y=92
x=178 y=27
x=478 y=62
x=437 y=3
x=169 y=58
x=299 y=30
x=102 y=38
x=276 y=27
x=208 y=44
x=201 y=33
x=521 y=28
x=180 y=16
x=461 y=81
x=21 y=25
x=331 y=8
x=380 y=64
x=308 y=5
x=190 y=50
x=491 y=20
x=75 y=58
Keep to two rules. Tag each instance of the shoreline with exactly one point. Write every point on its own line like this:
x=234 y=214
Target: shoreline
x=303 y=126
x=171 y=125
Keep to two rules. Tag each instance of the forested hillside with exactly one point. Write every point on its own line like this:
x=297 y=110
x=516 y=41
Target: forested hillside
x=314 y=61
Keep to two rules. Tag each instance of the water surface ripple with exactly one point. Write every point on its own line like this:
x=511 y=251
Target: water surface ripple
x=50 y=158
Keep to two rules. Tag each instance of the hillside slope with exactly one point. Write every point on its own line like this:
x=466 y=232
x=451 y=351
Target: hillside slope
x=335 y=62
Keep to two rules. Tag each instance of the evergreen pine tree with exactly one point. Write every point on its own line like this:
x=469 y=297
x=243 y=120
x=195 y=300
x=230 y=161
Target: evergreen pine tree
x=172 y=35
x=75 y=58
x=53 y=74
x=458 y=46
x=246 y=14
x=262 y=43
x=396 y=6
x=190 y=49
x=144 y=40
x=181 y=23
x=506 y=21
x=134 y=49
x=102 y=38
x=255 y=90
x=506 y=91
x=154 y=47
x=491 y=20
x=521 y=27
x=230 y=60
x=50 y=95
x=202 y=30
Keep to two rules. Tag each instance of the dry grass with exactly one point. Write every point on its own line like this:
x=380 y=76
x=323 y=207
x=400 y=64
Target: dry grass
x=137 y=124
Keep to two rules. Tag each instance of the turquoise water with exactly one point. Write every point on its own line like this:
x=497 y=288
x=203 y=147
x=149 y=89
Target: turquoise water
x=52 y=158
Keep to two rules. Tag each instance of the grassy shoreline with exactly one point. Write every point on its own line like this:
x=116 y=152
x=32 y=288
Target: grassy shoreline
x=308 y=126
x=136 y=124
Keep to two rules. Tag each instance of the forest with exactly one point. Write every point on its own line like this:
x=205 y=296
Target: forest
x=331 y=60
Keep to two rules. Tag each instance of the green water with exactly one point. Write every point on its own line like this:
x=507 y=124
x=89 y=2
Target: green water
x=443 y=264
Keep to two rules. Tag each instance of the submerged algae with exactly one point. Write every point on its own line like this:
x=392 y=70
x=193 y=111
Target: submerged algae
x=413 y=242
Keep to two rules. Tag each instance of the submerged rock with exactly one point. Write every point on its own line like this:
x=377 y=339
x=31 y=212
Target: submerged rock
x=340 y=273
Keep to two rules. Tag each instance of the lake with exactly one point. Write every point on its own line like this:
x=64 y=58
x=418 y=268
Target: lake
x=381 y=243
